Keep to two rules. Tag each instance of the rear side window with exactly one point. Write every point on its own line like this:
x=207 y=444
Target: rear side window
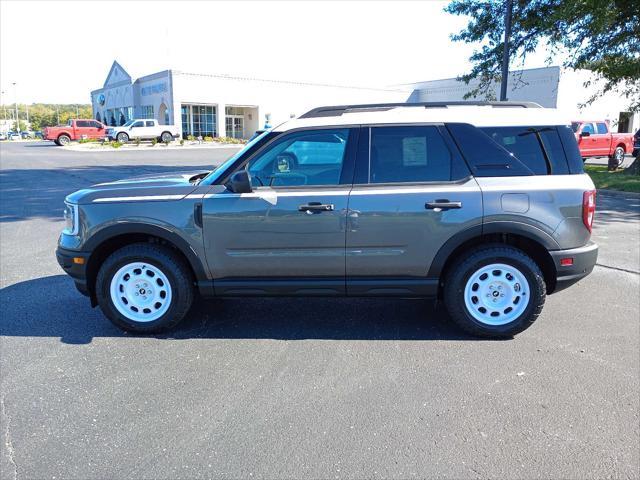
x=149 y=123
x=485 y=157
x=82 y=123
x=408 y=154
x=602 y=128
x=538 y=148
x=571 y=150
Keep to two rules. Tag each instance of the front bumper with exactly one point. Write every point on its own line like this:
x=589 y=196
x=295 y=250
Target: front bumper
x=77 y=271
x=584 y=259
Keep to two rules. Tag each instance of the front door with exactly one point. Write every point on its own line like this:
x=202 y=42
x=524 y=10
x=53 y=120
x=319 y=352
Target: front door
x=412 y=193
x=288 y=236
x=587 y=144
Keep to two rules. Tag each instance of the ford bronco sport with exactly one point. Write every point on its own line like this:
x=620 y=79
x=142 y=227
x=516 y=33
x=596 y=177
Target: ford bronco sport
x=484 y=205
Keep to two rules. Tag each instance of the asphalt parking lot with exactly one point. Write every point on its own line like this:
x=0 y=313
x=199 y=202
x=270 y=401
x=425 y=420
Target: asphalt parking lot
x=293 y=388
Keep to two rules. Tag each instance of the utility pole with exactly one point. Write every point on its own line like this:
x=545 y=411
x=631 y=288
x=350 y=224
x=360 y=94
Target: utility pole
x=58 y=114
x=77 y=112
x=505 y=53
x=15 y=89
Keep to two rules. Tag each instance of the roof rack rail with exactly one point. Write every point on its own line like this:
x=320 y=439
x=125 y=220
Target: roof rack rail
x=337 y=110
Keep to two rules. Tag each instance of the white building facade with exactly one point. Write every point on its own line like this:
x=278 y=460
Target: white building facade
x=551 y=87
x=219 y=105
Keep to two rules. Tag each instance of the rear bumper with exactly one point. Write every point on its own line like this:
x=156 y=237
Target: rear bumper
x=77 y=271
x=584 y=259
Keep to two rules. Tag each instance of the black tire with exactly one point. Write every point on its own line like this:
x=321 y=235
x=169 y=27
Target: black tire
x=57 y=143
x=160 y=257
x=618 y=156
x=166 y=137
x=469 y=263
x=63 y=140
x=122 y=137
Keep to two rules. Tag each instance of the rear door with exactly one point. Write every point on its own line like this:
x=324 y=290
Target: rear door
x=412 y=193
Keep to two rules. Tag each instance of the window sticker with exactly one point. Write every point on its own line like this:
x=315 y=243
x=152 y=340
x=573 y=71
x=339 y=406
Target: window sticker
x=414 y=151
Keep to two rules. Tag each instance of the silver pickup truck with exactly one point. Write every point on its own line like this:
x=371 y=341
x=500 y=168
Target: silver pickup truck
x=144 y=129
x=483 y=205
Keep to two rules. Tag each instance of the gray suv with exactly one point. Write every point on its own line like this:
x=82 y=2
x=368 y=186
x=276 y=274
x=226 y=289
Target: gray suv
x=484 y=205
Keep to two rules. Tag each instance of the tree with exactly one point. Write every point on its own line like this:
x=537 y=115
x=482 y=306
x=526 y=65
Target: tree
x=600 y=36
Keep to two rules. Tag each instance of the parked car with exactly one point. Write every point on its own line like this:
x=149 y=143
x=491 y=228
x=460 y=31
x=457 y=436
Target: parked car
x=3 y=136
x=26 y=135
x=144 y=129
x=75 y=129
x=462 y=204
x=13 y=136
x=38 y=134
x=636 y=143
x=596 y=140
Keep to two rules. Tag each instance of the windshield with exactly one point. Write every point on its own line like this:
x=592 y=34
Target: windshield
x=219 y=170
x=575 y=126
x=129 y=123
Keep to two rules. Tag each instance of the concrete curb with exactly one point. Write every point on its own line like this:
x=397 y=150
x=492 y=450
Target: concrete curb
x=618 y=193
x=146 y=148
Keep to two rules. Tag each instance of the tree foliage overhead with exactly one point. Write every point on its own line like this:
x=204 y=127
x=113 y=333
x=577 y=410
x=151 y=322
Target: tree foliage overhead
x=602 y=36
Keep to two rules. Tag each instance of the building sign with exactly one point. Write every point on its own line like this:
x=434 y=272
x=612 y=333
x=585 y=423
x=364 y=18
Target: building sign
x=101 y=99
x=152 y=89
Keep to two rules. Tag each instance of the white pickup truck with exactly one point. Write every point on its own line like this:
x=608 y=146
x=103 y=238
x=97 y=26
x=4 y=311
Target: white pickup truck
x=144 y=129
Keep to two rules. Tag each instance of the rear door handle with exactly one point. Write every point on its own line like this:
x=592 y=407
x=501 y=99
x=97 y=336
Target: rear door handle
x=316 y=207
x=440 y=205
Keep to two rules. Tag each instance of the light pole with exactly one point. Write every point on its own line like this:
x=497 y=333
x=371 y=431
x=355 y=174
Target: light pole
x=505 y=52
x=15 y=90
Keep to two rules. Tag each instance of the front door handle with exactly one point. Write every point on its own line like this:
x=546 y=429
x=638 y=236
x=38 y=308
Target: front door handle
x=439 y=205
x=316 y=207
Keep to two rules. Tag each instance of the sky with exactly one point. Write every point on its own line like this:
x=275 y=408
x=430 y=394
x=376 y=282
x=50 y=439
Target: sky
x=58 y=51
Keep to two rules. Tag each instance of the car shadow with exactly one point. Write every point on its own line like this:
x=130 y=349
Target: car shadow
x=51 y=307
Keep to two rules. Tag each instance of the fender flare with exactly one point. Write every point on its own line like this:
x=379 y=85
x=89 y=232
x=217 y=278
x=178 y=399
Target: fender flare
x=478 y=231
x=197 y=264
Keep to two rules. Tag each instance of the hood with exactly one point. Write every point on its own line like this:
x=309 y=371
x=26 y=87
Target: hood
x=164 y=187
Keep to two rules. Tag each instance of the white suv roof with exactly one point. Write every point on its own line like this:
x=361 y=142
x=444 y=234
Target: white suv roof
x=481 y=114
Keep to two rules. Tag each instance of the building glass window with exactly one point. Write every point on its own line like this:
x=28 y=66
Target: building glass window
x=185 y=113
x=146 y=111
x=204 y=121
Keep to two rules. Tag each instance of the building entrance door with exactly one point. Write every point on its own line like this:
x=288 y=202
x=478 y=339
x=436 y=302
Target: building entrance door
x=235 y=126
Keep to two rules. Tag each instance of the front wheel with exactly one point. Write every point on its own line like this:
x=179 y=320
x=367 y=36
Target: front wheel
x=122 y=137
x=494 y=291
x=144 y=288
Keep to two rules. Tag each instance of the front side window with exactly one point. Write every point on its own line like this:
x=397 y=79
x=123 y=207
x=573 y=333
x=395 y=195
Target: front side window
x=138 y=124
x=588 y=128
x=311 y=157
x=602 y=128
x=408 y=154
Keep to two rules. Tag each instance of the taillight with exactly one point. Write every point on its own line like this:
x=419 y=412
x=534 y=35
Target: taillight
x=588 y=208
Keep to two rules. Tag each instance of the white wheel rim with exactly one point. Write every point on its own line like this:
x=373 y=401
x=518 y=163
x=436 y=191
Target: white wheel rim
x=141 y=292
x=496 y=294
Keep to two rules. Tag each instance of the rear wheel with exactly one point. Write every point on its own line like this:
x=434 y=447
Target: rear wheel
x=166 y=137
x=63 y=140
x=495 y=291
x=618 y=156
x=144 y=288
x=122 y=137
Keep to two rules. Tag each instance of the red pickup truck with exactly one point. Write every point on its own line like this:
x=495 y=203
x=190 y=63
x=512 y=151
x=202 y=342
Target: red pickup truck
x=74 y=130
x=596 y=140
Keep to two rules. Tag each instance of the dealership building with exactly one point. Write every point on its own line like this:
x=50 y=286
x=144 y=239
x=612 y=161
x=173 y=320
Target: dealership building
x=219 y=105
x=232 y=106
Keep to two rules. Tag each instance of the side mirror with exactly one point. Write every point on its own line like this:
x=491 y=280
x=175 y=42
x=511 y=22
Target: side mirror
x=585 y=134
x=240 y=182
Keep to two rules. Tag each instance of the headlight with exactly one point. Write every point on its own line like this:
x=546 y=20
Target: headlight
x=71 y=219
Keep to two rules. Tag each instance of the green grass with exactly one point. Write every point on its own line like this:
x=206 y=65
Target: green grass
x=617 y=180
